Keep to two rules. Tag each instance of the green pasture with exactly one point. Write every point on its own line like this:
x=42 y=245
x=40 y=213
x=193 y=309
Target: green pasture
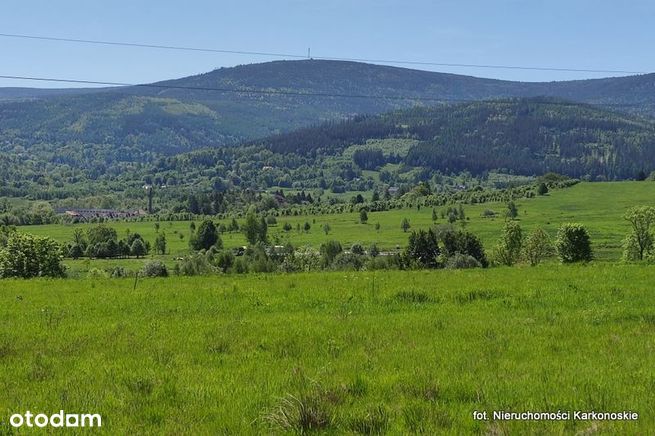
x=386 y=352
x=599 y=206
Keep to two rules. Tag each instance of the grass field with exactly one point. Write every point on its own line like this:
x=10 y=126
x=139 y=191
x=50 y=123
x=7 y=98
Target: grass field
x=599 y=206
x=392 y=352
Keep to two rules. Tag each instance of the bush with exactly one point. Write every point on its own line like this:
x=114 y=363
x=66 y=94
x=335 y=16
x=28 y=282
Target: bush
x=573 y=244
x=304 y=259
x=537 y=246
x=508 y=249
x=97 y=273
x=75 y=251
x=357 y=249
x=373 y=250
x=462 y=261
x=330 y=250
x=347 y=262
x=461 y=242
x=118 y=272
x=383 y=263
x=29 y=256
x=194 y=265
x=224 y=260
x=154 y=268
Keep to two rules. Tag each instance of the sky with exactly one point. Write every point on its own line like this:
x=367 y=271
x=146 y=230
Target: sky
x=574 y=34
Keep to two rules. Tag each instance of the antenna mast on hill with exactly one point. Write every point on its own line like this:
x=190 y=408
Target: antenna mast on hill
x=309 y=53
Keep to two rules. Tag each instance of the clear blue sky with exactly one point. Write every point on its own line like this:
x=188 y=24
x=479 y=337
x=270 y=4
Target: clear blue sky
x=592 y=34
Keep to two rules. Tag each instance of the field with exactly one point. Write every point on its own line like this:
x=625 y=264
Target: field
x=346 y=352
x=600 y=206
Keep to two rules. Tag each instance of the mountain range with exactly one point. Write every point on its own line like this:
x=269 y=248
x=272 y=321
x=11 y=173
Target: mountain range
x=230 y=105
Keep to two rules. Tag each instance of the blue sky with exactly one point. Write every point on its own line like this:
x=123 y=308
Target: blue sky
x=581 y=34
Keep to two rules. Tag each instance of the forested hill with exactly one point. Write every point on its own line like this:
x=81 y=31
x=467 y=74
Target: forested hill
x=523 y=136
x=138 y=123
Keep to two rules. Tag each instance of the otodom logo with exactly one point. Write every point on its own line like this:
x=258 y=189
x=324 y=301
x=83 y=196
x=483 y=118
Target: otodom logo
x=60 y=419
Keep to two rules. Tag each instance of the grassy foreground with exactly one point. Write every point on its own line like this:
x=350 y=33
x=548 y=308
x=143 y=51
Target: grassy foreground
x=389 y=352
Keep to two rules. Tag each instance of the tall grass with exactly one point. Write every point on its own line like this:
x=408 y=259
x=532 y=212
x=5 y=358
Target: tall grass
x=418 y=352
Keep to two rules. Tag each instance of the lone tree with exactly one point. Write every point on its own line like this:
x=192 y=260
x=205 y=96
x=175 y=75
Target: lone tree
x=255 y=230
x=537 y=247
x=508 y=249
x=205 y=237
x=160 y=243
x=363 y=216
x=326 y=228
x=405 y=225
x=27 y=256
x=639 y=242
x=512 y=210
x=573 y=243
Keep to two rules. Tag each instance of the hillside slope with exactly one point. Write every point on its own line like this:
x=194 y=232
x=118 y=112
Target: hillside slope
x=170 y=118
x=522 y=136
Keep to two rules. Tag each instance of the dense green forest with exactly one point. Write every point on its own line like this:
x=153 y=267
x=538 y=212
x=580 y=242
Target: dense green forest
x=492 y=144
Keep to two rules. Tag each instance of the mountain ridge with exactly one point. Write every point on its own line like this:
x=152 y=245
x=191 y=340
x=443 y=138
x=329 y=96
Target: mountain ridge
x=169 y=120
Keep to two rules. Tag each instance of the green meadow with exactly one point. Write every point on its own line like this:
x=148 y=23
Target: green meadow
x=599 y=206
x=395 y=351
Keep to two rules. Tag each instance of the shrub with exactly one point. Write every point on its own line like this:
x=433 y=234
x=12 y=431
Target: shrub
x=373 y=250
x=508 y=249
x=347 y=262
x=154 y=268
x=330 y=250
x=97 y=273
x=240 y=265
x=224 y=260
x=383 y=263
x=573 y=244
x=118 y=272
x=75 y=251
x=462 y=261
x=462 y=242
x=357 y=249
x=304 y=259
x=537 y=246
x=194 y=265
x=29 y=256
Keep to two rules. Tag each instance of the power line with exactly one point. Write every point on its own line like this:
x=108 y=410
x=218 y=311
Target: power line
x=296 y=56
x=295 y=93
